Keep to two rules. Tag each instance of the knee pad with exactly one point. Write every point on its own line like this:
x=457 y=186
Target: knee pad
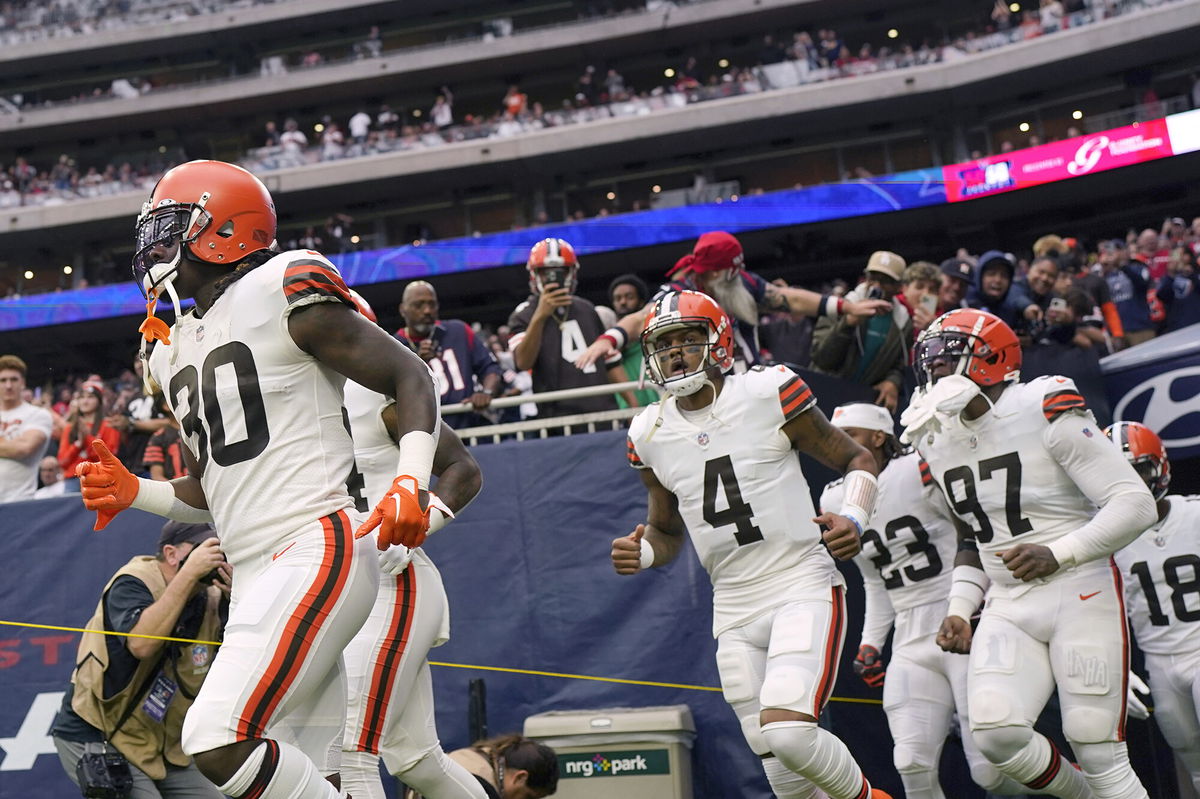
x=788 y=680
x=993 y=709
x=986 y=776
x=1090 y=725
x=786 y=687
x=752 y=731
x=1001 y=744
x=909 y=760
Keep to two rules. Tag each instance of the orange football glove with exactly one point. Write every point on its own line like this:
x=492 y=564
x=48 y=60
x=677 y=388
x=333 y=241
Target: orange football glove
x=399 y=516
x=869 y=666
x=106 y=485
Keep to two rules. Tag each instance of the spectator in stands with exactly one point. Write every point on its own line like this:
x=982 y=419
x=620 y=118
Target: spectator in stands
x=131 y=693
x=50 y=475
x=360 y=128
x=784 y=337
x=292 y=139
x=86 y=422
x=163 y=456
x=1128 y=281
x=333 y=142
x=1038 y=284
x=442 y=112
x=552 y=328
x=1060 y=344
x=24 y=431
x=510 y=766
x=958 y=275
x=514 y=101
x=870 y=350
x=1150 y=250
x=270 y=134
x=921 y=283
x=1179 y=290
x=141 y=418
x=371 y=46
x=994 y=291
x=627 y=294
x=464 y=369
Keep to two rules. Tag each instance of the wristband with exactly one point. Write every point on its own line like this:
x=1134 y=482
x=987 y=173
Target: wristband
x=966 y=592
x=439 y=514
x=859 y=502
x=647 y=557
x=416 y=457
x=832 y=305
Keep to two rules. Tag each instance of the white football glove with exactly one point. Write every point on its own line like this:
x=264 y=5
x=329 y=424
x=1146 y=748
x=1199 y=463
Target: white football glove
x=1134 y=707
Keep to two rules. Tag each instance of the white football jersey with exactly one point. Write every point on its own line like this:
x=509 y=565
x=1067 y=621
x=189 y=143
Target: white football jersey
x=741 y=492
x=1161 y=570
x=263 y=418
x=1001 y=478
x=908 y=547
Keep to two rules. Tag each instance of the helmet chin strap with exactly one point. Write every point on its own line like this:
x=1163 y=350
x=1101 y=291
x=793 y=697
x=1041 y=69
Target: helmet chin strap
x=153 y=328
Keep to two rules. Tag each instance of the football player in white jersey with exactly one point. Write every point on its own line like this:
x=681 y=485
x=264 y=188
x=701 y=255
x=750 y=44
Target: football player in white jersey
x=390 y=710
x=1162 y=582
x=719 y=456
x=906 y=564
x=1046 y=499
x=254 y=373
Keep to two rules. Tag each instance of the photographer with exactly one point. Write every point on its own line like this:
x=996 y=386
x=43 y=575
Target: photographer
x=870 y=350
x=118 y=731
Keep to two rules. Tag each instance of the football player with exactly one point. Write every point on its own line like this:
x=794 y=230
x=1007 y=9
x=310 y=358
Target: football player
x=1162 y=581
x=390 y=694
x=906 y=562
x=254 y=374
x=1043 y=500
x=718 y=455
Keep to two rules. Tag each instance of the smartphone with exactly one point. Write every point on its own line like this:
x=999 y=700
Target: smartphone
x=1058 y=304
x=929 y=302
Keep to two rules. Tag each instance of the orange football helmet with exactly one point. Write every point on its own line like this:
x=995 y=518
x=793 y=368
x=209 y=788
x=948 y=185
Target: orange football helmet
x=682 y=309
x=552 y=261
x=219 y=211
x=364 y=307
x=985 y=348
x=1144 y=449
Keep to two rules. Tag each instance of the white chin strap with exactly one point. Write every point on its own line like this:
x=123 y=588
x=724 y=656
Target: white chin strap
x=686 y=385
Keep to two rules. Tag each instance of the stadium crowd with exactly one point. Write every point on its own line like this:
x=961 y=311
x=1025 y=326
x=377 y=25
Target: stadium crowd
x=1070 y=302
x=785 y=59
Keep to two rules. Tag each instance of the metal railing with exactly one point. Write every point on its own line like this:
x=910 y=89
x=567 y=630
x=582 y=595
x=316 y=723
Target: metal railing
x=1138 y=113
x=539 y=427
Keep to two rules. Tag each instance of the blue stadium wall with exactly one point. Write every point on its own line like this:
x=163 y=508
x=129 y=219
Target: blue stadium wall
x=530 y=586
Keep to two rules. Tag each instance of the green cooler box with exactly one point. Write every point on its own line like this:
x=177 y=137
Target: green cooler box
x=627 y=752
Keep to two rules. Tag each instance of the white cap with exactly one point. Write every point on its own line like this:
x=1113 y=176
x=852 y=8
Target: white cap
x=863 y=415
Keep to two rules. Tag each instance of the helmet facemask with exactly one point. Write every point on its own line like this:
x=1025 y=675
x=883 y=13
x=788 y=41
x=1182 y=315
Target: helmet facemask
x=945 y=346
x=660 y=360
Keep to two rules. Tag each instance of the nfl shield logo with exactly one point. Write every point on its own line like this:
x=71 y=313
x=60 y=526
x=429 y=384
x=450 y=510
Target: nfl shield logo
x=199 y=655
x=702 y=439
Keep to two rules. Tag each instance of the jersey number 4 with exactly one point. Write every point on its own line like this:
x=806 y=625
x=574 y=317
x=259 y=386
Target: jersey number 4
x=1180 y=588
x=720 y=479
x=231 y=364
x=960 y=491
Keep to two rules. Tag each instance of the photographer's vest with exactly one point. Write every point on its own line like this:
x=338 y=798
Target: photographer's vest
x=147 y=744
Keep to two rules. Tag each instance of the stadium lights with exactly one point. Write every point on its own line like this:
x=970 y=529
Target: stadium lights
x=1076 y=115
x=656 y=188
x=1023 y=127
x=416 y=112
x=354 y=239
x=1014 y=7
x=318 y=127
x=893 y=33
x=29 y=274
x=612 y=195
x=668 y=73
x=67 y=269
x=723 y=63
x=162 y=148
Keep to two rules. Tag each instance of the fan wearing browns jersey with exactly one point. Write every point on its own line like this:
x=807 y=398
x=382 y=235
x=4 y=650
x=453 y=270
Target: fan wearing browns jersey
x=254 y=373
x=1041 y=500
x=718 y=459
x=1162 y=581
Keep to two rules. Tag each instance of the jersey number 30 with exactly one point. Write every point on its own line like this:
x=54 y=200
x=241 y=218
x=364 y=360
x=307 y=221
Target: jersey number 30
x=720 y=479
x=231 y=364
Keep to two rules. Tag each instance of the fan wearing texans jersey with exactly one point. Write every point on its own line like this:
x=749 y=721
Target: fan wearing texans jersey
x=906 y=564
x=1042 y=501
x=718 y=459
x=464 y=369
x=254 y=374
x=1162 y=582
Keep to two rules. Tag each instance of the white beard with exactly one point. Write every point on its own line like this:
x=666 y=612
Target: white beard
x=735 y=299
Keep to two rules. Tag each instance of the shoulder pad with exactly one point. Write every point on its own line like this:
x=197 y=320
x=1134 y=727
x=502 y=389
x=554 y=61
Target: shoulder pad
x=1059 y=396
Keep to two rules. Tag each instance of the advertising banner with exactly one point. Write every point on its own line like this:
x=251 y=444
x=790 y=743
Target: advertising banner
x=1158 y=384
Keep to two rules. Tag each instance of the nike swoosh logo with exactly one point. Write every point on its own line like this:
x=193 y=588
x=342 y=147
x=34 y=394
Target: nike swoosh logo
x=289 y=546
x=1086 y=597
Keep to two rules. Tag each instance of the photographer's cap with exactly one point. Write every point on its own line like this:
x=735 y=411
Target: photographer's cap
x=863 y=415
x=176 y=533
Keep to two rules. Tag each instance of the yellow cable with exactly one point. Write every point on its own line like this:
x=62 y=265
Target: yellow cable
x=447 y=665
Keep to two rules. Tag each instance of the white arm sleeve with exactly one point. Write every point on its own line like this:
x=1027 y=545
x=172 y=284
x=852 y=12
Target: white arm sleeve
x=1104 y=476
x=879 y=613
x=158 y=496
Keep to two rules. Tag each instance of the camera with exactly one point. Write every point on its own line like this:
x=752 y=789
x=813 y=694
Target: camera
x=103 y=772
x=875 y=293
x=207 y=579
